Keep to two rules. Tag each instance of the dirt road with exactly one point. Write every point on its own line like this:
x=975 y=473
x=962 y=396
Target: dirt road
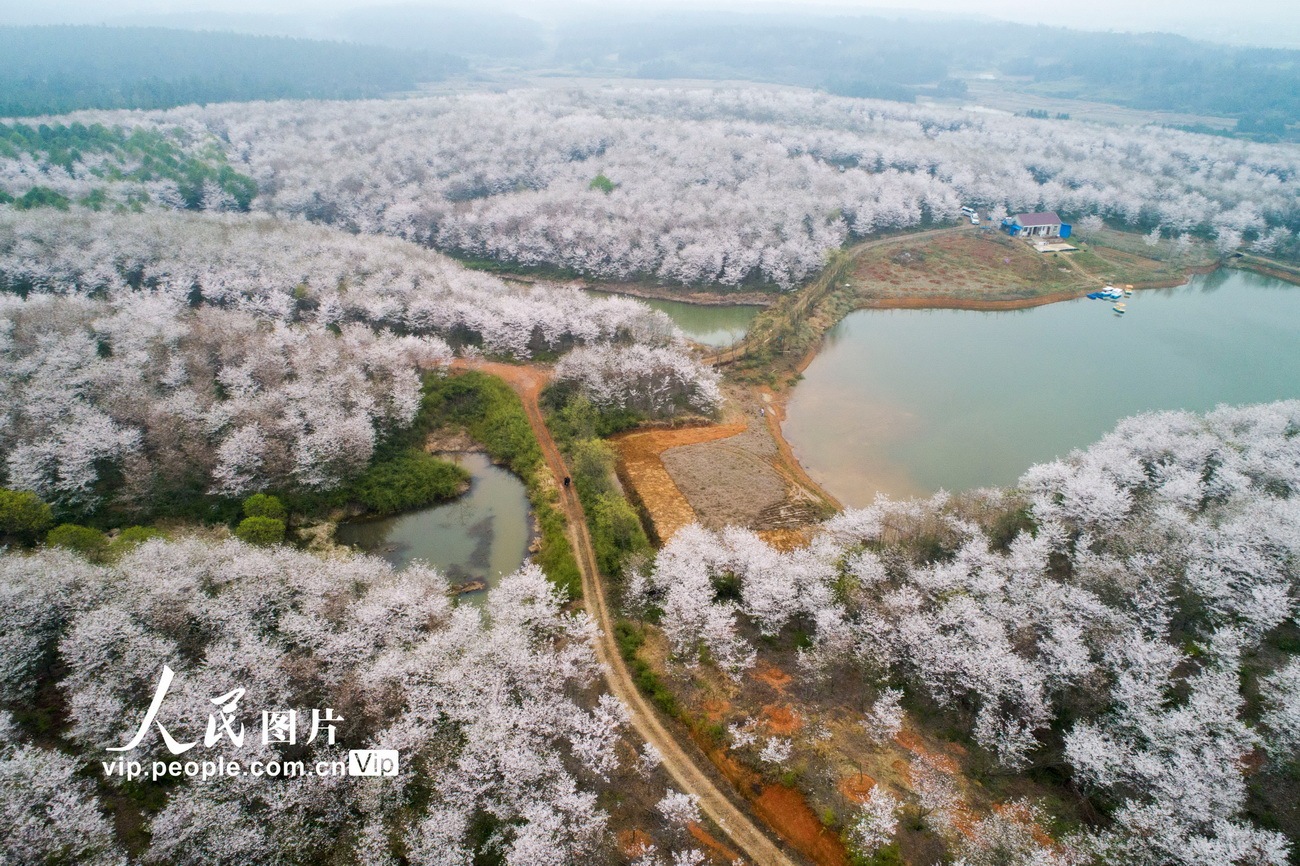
x=810 y=294
x=686 y=774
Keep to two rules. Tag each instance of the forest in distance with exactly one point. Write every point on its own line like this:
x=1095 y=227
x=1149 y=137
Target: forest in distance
x=56 y=69
x=255 y=286
x=382 y=51
x=689 y=186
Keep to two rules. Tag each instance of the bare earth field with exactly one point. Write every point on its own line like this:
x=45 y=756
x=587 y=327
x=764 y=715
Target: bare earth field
x=642 y=470
x=730 y=474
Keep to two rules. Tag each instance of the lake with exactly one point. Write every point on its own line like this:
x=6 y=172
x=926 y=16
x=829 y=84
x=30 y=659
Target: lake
x=710 y=325
x=478 y=536
x=906 y=402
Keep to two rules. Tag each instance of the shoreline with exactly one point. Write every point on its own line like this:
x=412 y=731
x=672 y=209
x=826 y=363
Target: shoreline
x=777 y=399
x=647 y=292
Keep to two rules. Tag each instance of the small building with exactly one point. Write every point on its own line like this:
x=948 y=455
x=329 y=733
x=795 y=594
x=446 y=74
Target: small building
x=1036 y=225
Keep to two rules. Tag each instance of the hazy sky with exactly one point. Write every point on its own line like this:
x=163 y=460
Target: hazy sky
x=1275 y=22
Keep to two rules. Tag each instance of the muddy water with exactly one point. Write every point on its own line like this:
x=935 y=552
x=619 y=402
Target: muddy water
x=911 y=401
x=478 y=536
x=710 y=325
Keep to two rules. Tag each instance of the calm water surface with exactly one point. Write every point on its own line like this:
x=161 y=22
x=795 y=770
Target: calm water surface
x=910 y=401
x=709 y=325
x=479 y=536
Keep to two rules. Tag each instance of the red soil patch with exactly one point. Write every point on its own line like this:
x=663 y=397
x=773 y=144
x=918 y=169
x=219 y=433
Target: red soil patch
x=773 y=676
x=909 y=740
x=717 y=852
x=783 y=809
x=938 y=760
x=857 y=787
x=714 y=710
x=781 y=719
x=941 y=761
x=787 y=811
x=633 y=843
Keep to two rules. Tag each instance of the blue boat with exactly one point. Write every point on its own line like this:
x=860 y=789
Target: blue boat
x=1110 y=293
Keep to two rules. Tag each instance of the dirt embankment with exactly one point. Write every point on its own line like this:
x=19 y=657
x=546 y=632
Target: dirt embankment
x=718 y=297
x=1268 y=267
x=739 y=473
x=687 y=775
x=642 y=469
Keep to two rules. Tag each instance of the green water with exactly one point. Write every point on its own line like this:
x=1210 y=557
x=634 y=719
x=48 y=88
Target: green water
x=478 y=536
x=910 y=401
x=710 y=325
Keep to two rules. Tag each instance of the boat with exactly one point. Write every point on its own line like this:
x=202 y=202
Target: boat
x=1119 y=308
x=1110 y=293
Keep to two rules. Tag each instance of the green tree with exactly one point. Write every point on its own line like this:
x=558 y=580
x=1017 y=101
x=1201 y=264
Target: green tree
x=593 y=466
x=265 y=505
x=602 y=183
x=42 y=196
x=616 y=532
x=23 y=514
x=90 y=543
x=262 y=531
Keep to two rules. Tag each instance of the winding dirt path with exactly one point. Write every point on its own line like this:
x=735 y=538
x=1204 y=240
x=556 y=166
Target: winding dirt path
x=685 y=772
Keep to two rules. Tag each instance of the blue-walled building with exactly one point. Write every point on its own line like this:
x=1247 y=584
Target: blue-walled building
x=1036 y=225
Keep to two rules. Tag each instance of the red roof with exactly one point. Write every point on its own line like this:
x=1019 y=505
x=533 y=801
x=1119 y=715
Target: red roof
x=1038 y=219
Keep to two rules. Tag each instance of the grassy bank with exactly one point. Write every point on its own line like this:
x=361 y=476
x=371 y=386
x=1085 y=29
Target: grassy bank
x=783 y=333
x=491 y=413
x=964 y=269
x=579 y=429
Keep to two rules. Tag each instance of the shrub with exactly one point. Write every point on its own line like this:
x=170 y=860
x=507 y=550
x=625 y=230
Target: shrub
x=90 y=543
x=131 y=537
x=889 y=855
x=23 y=514
x=616 y=532
x=262 y=531
x=407 y=482
x=264 y=505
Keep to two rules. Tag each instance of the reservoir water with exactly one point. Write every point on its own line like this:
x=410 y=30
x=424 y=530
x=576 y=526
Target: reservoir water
x=478 y=536
x=907 y=402
x=707 y=324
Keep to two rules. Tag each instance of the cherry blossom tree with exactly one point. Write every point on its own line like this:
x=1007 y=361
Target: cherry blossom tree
x=713 y=184
x=1151 y=563
x=876 y=823
x=48 y=811
x=492 y=711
